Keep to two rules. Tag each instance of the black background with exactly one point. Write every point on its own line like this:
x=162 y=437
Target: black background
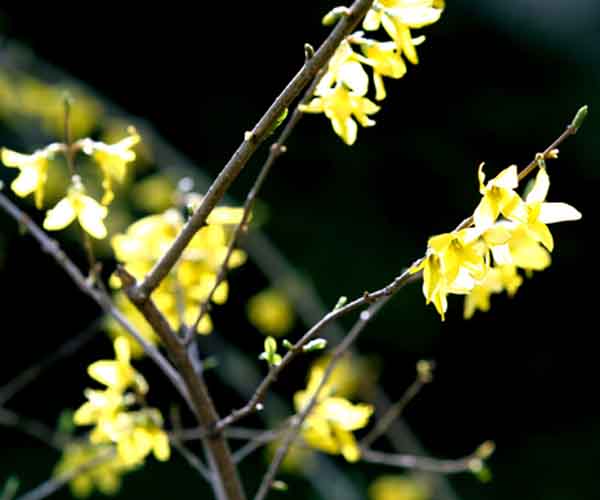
x=497 y=82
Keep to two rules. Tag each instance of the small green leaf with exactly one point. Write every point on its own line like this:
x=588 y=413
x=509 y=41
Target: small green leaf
x=270 y=345
x=341 y=302
x=278 y=122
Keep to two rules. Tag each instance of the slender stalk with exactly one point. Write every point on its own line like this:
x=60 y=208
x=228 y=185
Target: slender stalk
x=250 y=144
x=426 y=464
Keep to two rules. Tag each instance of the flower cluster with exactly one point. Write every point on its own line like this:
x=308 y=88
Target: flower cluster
x=507 y=233
x=111 y=159
x=190 y=282
x=119 y=414
x=341 y=93
x=329 y=425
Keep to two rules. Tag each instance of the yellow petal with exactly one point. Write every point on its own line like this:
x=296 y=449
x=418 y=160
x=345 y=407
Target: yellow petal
x=161 y=448
x=507 y=179
x=539 y=191
x=486 y=213
x=106 y=372
x=91 y=215
x=225 y=215
x=60 y=216
x=26 y=182
x=558 y=212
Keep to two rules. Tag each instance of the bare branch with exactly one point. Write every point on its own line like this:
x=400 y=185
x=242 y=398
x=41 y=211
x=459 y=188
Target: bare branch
x=466 y=464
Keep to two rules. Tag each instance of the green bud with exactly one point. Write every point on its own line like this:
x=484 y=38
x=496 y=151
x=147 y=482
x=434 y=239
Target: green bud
x=579 y=118
x=278 y=122
x=309 y=51
x=342 y=301
x=270 y=345
x=334 y=15
x=287 y=344
x=315 y=345
x=270 y=353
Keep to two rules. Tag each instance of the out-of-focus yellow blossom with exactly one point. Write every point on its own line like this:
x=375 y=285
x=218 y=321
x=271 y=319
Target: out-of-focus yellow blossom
x=496 y=280
x=398 y=17
x=138 y=434
x=137 y=320
x=118 y=374
x=385 y=60
x=188 y=285
x=33 y=171
x=340 y=105
x=77 y=204
x=330 y=423
x=499 y=198
x=271 y=312
x=112 y=160
x=398 y=488
x=100 y=406
x=105 y=475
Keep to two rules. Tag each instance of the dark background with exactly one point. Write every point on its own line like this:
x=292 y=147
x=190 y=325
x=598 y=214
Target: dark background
x=497 y=82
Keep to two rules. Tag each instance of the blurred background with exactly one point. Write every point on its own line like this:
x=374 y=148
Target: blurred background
x=497 y=82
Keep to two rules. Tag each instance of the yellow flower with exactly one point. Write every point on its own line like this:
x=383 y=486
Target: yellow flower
x=399 y=16
x=33 y=172
x=458 y=250
x=385 y=60
x=497 y=279
x=540 y=213
x=104 y=476
x=100 y=406
x=340 y=105
x=138 y=434
x=435 y=287
x=398 y=488
x=77 y=204
x=112 y=159
x=499 y=197
x=329 y=425
x=525 y=252
x=118 y=374
x=271 y=312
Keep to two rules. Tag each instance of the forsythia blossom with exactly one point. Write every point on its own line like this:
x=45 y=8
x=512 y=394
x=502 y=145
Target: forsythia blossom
x=330 y=424
x=190 y=282
x=508 y=233
x=341 y=93
x=77 y=205
x=134 y=432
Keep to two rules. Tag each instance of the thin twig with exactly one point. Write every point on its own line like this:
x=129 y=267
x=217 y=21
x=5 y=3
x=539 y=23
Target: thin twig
x=394 y=411
x=294 y=429
x=247 y=148
x=426 y=464
x=192 y=460
x=71 y=346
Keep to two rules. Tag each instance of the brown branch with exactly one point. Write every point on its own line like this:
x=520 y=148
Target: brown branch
x=226 y=482
x=247 y=148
